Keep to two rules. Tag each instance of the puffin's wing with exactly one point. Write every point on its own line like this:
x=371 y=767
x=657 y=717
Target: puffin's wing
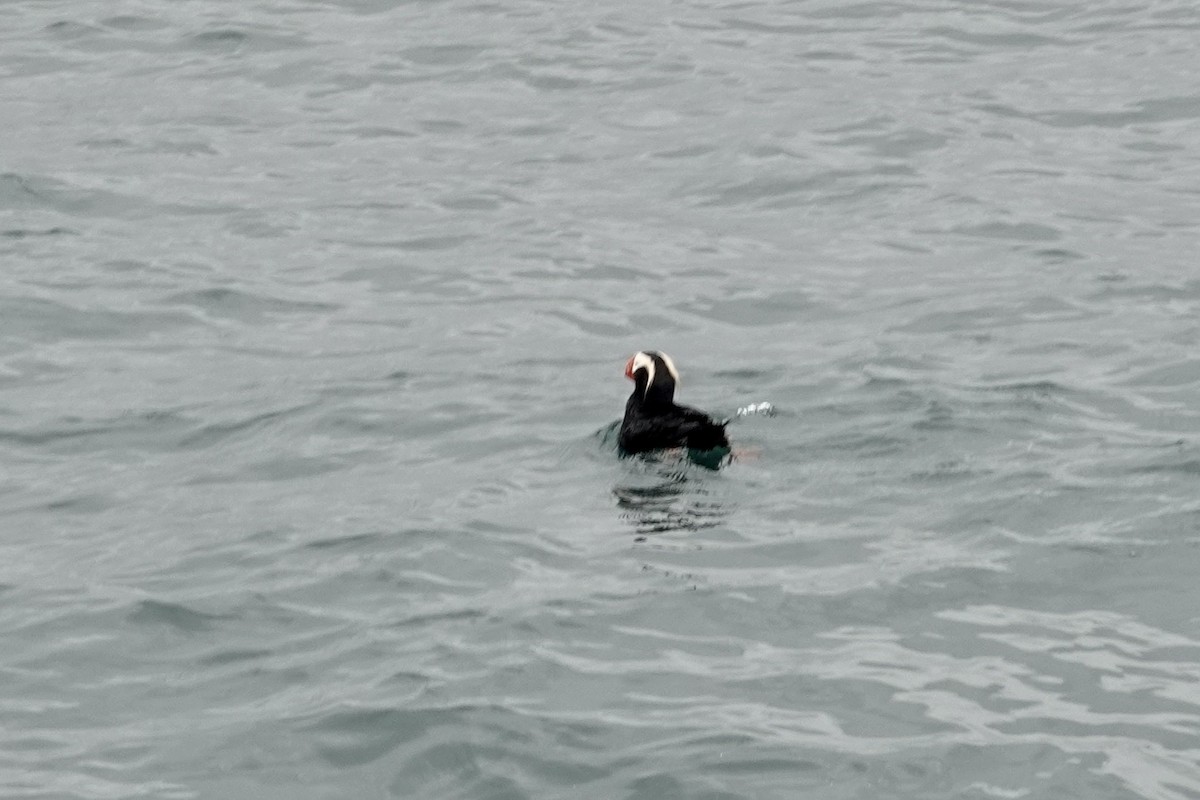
x=700 y=431
x=682 y=427
x=640 y=434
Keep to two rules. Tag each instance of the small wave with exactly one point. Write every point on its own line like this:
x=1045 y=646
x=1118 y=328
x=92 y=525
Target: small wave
x=180 y=617
x=244 y=305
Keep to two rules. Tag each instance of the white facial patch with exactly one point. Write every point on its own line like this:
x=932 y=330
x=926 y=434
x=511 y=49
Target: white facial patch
x=643 y=361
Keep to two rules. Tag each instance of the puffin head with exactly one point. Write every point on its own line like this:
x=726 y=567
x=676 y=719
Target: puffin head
x=654 y=376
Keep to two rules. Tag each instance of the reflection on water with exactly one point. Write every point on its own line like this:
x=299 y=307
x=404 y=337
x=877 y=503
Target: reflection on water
x=667 y=491
x=671 y=502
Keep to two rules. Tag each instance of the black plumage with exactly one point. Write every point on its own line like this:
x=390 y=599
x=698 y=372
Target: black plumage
x=653 y=421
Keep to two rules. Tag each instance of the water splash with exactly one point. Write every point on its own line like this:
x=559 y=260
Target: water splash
x=763 y=409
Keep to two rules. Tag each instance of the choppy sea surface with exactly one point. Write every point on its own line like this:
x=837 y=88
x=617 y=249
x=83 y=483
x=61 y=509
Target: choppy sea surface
x=312 y=322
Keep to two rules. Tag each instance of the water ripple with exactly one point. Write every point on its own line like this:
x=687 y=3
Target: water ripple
x=311 y=310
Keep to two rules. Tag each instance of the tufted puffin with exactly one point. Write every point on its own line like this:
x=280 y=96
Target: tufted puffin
x=653 y=421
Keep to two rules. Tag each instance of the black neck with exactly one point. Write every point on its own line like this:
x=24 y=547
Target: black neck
x=661 y=394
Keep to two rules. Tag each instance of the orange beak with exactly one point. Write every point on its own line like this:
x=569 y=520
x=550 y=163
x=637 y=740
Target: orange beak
x=629 y=369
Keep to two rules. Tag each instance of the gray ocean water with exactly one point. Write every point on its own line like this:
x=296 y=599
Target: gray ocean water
x=313 y=315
